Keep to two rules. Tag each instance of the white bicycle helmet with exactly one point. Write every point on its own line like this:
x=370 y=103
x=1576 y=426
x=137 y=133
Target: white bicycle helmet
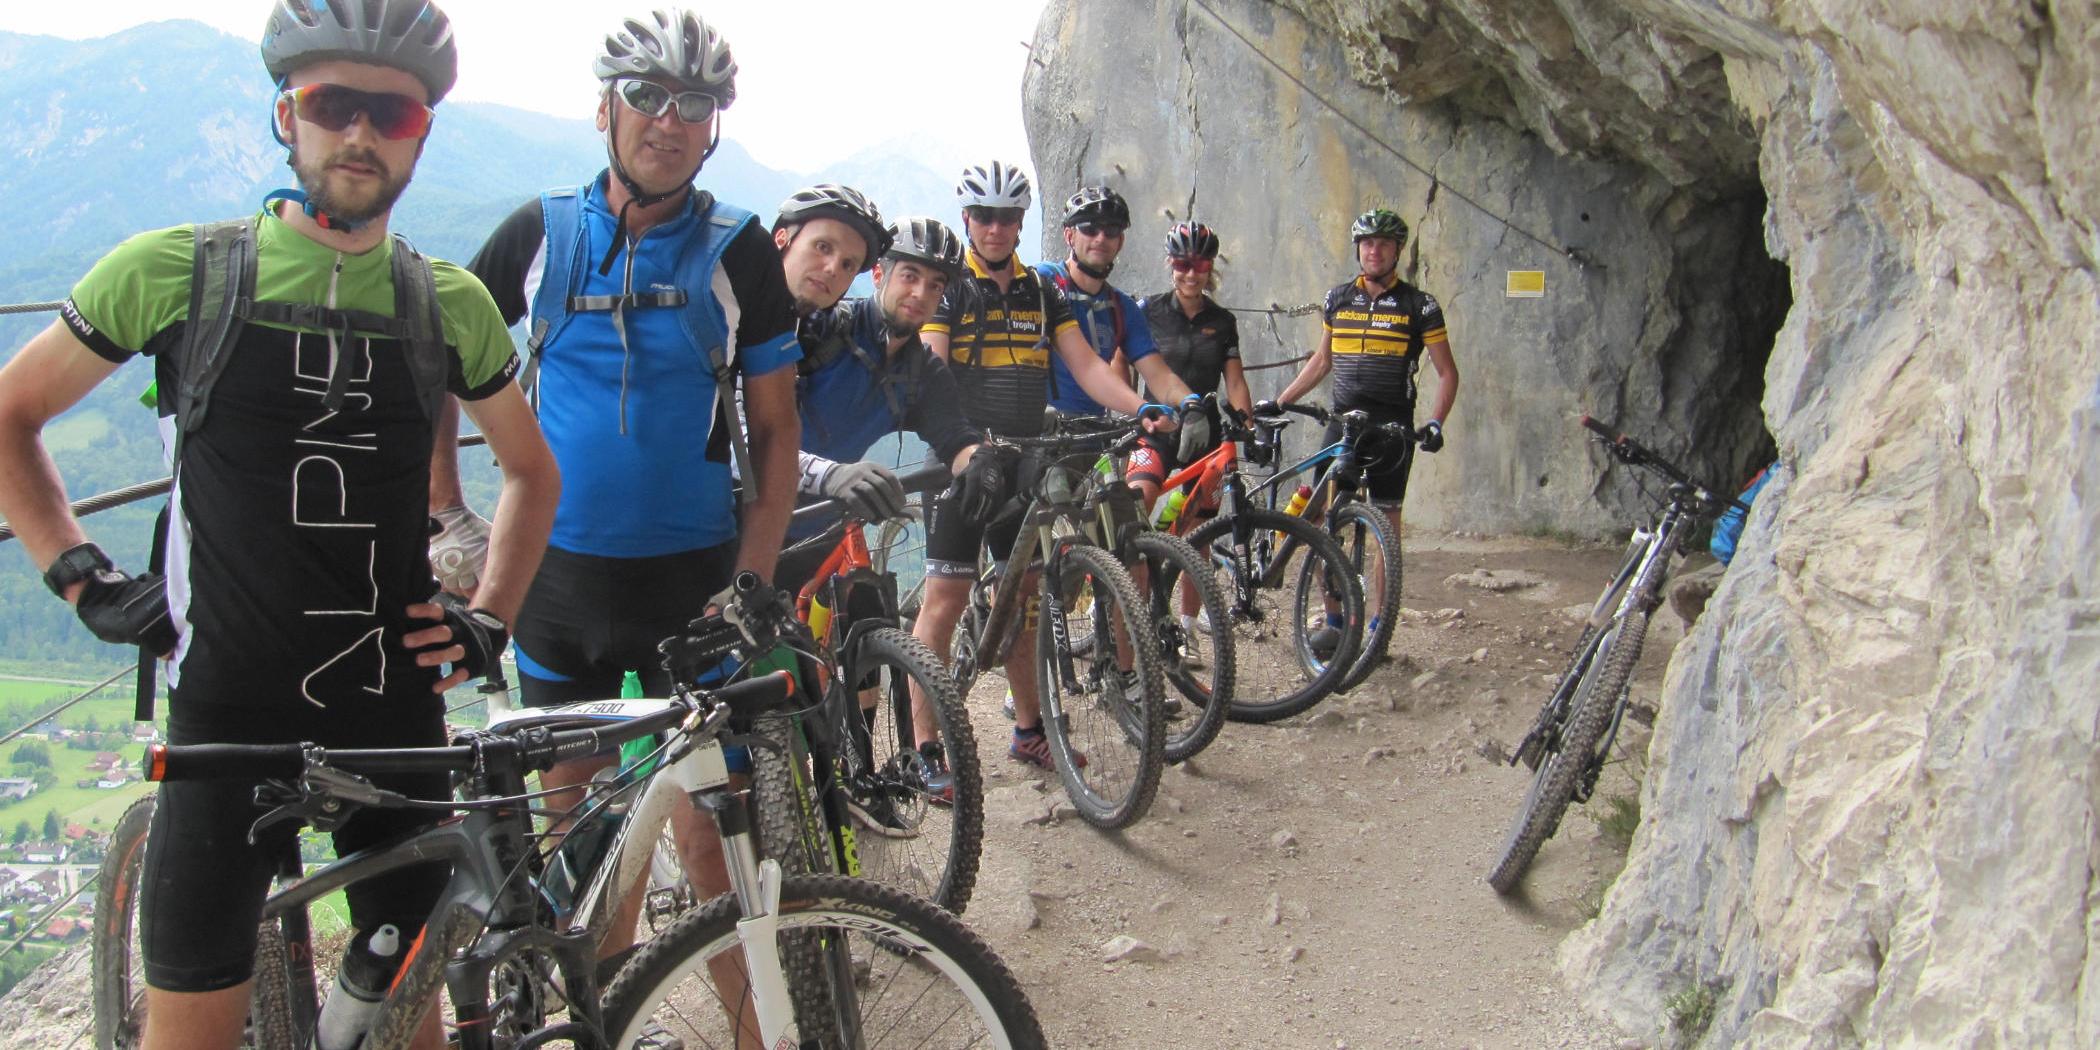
x=674 y=43
x=994 y=185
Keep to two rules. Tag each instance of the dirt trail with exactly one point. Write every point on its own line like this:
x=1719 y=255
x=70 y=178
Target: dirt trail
x=1317 y=883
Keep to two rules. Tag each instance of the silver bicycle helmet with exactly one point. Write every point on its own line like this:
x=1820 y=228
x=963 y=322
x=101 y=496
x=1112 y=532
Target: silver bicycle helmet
x=672 y=43
x=1097 y=204
x=413 y=36
x=1378 y=222
x=923 y=240
x=994 y=185
x=1191 y=240
x=844 y=203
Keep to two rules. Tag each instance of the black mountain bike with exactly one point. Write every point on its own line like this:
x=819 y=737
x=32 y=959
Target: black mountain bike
x=1567 y=747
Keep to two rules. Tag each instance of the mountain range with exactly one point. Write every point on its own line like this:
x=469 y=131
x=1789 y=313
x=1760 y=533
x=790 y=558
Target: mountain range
x=168 y=123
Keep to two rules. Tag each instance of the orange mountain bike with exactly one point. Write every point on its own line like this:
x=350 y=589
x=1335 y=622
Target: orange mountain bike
x=1283 y=574
x=897 y=795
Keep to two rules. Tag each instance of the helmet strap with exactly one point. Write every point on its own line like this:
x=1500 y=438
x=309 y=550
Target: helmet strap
x=1100 y=274
x=320 y=218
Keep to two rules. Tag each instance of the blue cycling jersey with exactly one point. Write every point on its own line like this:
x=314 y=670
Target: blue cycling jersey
x=1096 y=314
x=645 y=468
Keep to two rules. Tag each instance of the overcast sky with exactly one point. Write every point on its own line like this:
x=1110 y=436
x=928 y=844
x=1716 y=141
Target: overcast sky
x=817 y=80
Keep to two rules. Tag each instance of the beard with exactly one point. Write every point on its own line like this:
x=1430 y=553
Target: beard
x=332 y=197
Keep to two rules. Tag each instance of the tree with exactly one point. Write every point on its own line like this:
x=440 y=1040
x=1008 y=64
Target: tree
x=31 y=753
x=45 y=779
x=22 y=831
x=52 y=828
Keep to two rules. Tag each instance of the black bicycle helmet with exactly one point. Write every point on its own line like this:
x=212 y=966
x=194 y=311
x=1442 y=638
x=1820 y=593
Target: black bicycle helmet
x=413 y=36
x=994 y=185
x=1378 y=222
x=923 y=240
x=844 y=203
x=1191 y=240
x=1097 y=204
x=675 y=44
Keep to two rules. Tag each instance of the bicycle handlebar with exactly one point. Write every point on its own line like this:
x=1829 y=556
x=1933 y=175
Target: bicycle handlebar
x=539 y=749
x=1632 y=452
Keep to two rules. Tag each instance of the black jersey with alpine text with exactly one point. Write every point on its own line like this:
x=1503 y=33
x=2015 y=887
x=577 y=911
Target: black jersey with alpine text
x=1377 y=342
x=999 y=345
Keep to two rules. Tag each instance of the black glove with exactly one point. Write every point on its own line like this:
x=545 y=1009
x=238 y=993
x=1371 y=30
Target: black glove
x=127 y=610
x=869 y=490
x=477 y=630
x=1432 y=435
x=981 y=486
x=1267 y=409
x=1195 y=429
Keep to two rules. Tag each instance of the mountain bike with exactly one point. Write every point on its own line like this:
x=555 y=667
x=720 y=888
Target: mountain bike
x=1567 y=746
x=923 y=805
x=1280 y=670
x=895 y=970
x=1170 y=573
x=1101 y=687
x=1337 y=500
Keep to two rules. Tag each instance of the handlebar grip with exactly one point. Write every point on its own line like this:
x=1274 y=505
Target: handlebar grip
x=1308 y=411
x=168 y=762
x=1590 y=422
x=928 y=479
x=756 y=696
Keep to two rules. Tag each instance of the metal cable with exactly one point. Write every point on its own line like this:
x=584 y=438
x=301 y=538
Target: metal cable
x=60 y=709
x=29 y=308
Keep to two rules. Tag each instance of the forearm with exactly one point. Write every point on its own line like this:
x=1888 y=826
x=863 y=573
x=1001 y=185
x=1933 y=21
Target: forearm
x=810 y=469
x=445 y=489
x=765 y=517
x=517 y=540
x=33 y=496
x=1447 y=379
x=1162 y=381
x=1307 y=378
x=1236 y=391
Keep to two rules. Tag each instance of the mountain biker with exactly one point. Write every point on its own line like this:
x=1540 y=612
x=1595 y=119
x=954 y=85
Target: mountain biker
x=827 y=235
x=1377 y=330
x=297 y=603
x=866 y=375
x=997 y=327
x=649 y=300
x=1096 y=219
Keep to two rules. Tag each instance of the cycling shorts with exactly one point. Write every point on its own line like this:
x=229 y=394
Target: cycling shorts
x=588 y=620
x=202 y=887
x=952 y=541
x=1385 y=476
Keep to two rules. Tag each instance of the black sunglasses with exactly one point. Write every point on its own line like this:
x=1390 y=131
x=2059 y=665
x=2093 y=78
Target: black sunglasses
x=334 y=107
x=650 y=99
x=997 y=216
x=1097 y=229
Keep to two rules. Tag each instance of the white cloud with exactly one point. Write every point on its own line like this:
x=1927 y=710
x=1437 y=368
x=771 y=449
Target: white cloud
x=818 y=79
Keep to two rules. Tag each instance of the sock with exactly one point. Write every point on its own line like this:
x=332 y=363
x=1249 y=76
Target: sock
x=1028 y=734
x=1373 y=627
x=1335 y=621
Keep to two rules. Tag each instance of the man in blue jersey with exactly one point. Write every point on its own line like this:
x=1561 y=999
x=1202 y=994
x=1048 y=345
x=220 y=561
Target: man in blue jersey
x=1096 y=219
x=650 y=303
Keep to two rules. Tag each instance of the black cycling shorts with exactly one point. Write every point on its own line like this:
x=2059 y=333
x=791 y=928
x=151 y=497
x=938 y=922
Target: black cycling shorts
x=952 y=541
x=588 y=620
x=202 y=887
x=1387 y=466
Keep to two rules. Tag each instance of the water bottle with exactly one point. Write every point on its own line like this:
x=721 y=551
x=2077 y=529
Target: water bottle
x=819 y=616
x=1169 y=508
x=636 y=756
x=360 y=983
x=1298 y=501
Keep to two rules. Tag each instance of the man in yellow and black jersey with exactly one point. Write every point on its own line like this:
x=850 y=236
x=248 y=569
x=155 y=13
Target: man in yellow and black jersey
x=997 y=327
x=1377 y=330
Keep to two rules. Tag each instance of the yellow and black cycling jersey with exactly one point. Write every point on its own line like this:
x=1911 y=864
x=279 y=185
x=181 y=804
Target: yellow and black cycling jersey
x=999 y=345
x=1377 y=342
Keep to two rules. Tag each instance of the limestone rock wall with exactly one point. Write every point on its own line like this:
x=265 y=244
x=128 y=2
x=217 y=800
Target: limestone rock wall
x=1870 y=817
x=1166 y=103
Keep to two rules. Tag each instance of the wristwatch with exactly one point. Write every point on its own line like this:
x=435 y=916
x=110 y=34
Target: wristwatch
x=76 y=564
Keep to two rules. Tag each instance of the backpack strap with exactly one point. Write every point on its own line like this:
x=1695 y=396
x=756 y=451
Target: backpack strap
x=222 y=288
x=416 y=306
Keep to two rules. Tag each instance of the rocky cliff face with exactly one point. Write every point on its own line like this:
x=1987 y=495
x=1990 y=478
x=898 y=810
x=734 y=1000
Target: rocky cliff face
x=1870 y=813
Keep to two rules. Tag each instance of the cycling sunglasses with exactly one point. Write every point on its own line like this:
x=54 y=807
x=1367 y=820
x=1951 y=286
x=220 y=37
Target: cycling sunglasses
x=650 y=99
x=996 y=216
x=1096 y=229
x=334 y=107
x=1186 y=265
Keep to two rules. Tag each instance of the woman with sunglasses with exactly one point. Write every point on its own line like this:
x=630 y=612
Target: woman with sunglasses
x=1199 y=339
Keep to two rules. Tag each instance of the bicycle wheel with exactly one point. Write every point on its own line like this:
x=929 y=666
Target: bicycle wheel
x=1107 y=726
x=1372 y=550
x=1280 y=673
x=117 y=976
x=787 y=825
x=929 y=845
x=1198 y=664
x=1572 y=759
x=918 y=977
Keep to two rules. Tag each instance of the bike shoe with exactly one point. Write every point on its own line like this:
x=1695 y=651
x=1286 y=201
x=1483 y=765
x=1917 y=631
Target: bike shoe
x=654 y=1037
x=878 y=813
x=1033 y=747
x=1324 y=640
x=1169 y=705
x=933 y=775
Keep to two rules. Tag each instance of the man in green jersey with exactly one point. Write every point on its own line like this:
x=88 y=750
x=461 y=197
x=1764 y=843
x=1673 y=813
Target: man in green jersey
x=297 y=604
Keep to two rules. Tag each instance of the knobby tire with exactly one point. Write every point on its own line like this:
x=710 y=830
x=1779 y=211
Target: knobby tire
x=1105 y=713
x=1169 y=560
x=956 y=830
x=1253 y=701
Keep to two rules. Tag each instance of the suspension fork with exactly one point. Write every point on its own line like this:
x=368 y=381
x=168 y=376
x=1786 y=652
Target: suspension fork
x=756 y=884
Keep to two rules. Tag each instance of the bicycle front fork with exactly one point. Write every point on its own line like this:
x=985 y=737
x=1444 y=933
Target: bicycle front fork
x=756 y=884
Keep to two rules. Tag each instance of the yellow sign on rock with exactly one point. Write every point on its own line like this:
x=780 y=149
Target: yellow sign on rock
x=1526 y=284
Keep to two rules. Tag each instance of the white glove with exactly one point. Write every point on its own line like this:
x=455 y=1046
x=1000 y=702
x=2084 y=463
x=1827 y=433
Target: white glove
x=460 y=550
x=869 y=490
